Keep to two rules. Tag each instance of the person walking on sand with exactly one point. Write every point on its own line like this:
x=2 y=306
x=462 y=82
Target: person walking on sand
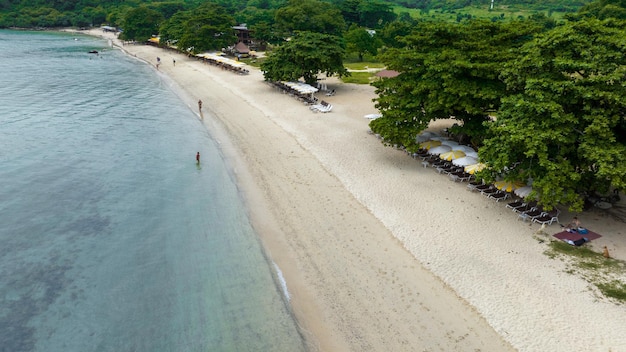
x=174 y=61
x=198 y=158
x=199 y=104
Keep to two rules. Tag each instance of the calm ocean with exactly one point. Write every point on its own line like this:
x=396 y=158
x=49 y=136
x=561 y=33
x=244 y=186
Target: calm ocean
x=111 y=237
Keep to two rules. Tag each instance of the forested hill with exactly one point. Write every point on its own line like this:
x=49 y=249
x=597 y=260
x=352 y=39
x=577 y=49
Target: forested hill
x=537 y=5
x=85 y=13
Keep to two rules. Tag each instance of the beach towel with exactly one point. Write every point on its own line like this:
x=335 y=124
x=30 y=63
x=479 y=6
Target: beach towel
x=575 y=238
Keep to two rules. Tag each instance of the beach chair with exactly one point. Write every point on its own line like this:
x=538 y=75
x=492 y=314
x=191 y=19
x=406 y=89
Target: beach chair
x=515 y=204
x=526 y=207
x=445 y=168
x=531 y=214
x=499 y=195
x=326 y=109
x=460 y=176
x=473 y=186
x=548 y=218
x=489 y=191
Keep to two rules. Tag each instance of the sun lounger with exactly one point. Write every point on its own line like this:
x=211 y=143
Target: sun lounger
x=531 y=214
x=525 y=207
x=489 y=191
x=499 y=195
x=445 y=169
x=460 y=176
x=547 y=218
x=515 y=204
x=327 y=108
x=473 y=186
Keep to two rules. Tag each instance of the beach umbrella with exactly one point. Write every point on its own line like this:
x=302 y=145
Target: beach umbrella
x=464 y=161
x=429 y=144
x=464 y=148
x=425 y=136
x=439 y=149
x=450 y=143
x=451 y=155
x=474 y=168
x=439 y=138
x=523 y=192
x=508 y=186
x=473 y=154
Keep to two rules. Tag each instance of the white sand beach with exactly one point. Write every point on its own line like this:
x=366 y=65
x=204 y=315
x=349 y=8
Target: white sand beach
x=380 y=253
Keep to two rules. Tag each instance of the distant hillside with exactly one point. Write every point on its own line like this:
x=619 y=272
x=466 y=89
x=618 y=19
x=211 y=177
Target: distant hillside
x=533 y=5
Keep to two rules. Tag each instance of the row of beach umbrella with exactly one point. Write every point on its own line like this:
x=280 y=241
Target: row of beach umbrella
x=447 y=149
x=467 y=157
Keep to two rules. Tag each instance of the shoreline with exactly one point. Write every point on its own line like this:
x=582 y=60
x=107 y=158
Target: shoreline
x=360 y=233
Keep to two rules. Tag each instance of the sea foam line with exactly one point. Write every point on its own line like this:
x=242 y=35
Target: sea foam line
x=283 y=282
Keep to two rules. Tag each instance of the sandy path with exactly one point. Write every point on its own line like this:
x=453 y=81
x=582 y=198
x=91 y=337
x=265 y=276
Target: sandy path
x=359 y=230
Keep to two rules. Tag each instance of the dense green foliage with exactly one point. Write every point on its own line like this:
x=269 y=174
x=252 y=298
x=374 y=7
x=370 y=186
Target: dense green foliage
x=141 y=23
x=538 y=5
x=447 y=70
x=309 y=15
x=563 y=122
x=208 y=27
x=306 y=55
x=559 y=94
x=361 y=42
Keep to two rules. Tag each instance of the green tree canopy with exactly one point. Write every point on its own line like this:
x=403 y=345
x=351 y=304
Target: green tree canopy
x=360 y=41
x=447 y=70
x=309 y=15
x=174 y=28
x=603 y=9
x=564 y=123
x=306 y=55
x=367 y=13
x=208 y=27
x=141 y=23
x=393 y=32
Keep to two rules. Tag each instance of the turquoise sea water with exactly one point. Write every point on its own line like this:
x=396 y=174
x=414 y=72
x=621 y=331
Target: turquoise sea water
x=111 y=237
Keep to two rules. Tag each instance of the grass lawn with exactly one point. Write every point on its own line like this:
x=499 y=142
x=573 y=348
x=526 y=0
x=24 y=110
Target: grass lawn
x=606 y=274
x=359 y=78
x=499 y=12
x=364 y=65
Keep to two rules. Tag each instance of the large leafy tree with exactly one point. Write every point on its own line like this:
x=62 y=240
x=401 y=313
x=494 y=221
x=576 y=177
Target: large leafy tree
x=309 y=15
x=447 y=70
x=208 y=27
x=393 y=33
x=306 y=55
x=360 y=41
x=141 y=23
x=564 y=125
x=367 y=13
x=174 y=28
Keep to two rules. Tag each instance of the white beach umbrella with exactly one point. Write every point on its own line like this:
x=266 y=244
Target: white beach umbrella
x=464 y=161
x=464 y=148
x=473 y=168
x=452 y=155
x=425 y=136
x=429 y=144
x=523 y=192
x=473 y=154
x=439 y=150
x=450 y=143
x=438 y=138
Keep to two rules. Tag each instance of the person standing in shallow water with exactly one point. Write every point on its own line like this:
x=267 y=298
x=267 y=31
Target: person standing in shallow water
x=198 y=158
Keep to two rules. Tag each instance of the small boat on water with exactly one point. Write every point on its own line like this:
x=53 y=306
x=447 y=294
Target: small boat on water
x=93 y=51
